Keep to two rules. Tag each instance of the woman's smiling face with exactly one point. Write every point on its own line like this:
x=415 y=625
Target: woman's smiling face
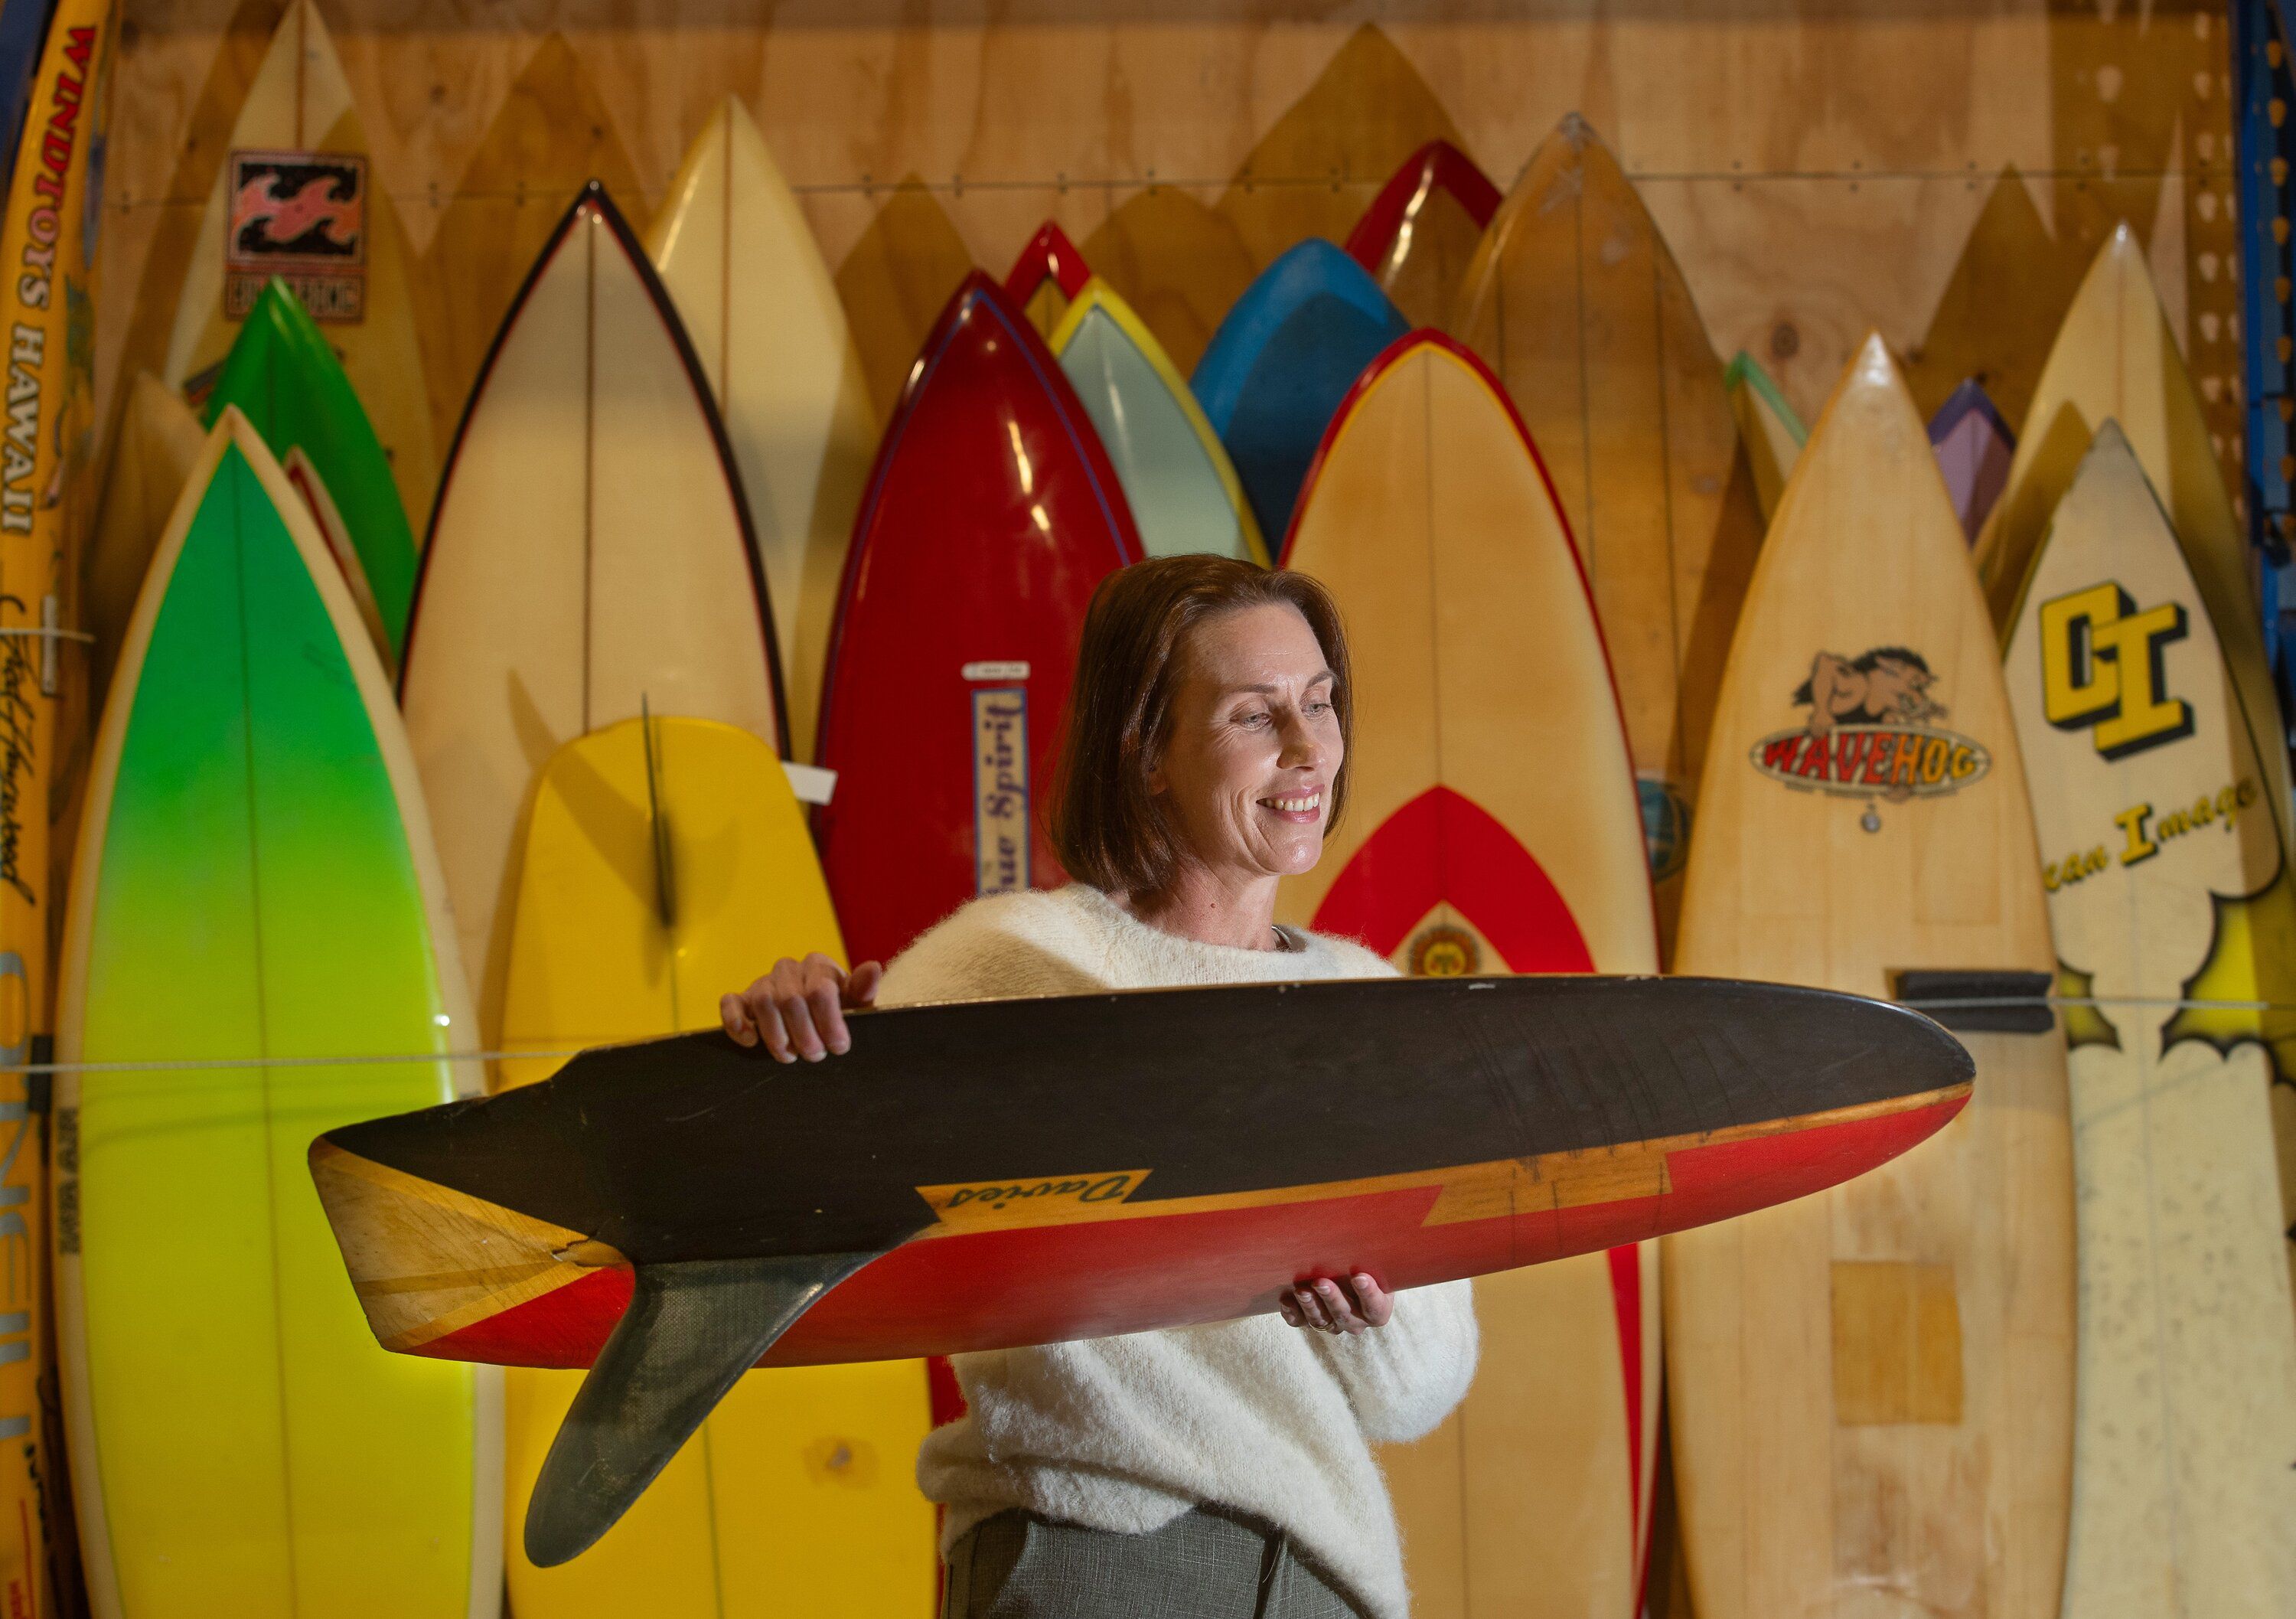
x=1254 y=747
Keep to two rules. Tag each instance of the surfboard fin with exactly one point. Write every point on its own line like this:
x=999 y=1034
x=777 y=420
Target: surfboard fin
x=691 y=1330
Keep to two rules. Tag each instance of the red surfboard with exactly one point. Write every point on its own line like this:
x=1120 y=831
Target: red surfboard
x=1050 y=268
x=991 y=514
x=1420 y=232
x=1493 y=827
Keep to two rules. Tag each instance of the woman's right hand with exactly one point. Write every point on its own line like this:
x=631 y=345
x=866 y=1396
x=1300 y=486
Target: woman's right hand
x=798 y=1008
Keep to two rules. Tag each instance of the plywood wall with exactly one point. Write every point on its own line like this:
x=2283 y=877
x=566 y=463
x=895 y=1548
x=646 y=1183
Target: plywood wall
x=1940 y=171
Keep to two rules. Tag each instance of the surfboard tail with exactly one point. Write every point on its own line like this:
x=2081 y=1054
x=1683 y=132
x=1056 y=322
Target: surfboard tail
x=427 y=1260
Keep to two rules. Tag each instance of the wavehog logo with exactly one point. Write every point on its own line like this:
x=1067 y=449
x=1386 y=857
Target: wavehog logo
x=1870 y=732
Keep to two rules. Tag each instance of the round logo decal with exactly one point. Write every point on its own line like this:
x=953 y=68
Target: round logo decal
x=1443 y=951
x=1666 y=825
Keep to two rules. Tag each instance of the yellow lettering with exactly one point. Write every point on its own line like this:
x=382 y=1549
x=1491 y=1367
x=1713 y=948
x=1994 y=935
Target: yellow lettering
x=2100 y=668
x=2131 y=822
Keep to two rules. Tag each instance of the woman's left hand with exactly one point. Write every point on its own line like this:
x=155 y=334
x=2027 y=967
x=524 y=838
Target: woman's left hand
x=1329 y=1306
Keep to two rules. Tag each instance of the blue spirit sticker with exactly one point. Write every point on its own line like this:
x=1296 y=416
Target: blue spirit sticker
x=1000 y=789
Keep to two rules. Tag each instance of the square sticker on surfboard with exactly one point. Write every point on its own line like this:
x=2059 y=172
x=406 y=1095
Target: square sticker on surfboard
x=300 y=216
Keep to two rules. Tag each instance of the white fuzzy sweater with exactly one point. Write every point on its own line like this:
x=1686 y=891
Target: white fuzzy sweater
x=1126 y=1433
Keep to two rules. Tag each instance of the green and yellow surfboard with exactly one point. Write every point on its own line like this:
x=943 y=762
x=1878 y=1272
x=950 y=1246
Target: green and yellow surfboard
x=255 y=894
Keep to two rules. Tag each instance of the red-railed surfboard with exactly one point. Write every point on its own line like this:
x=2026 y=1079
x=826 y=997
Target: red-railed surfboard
x=1493 y=827
x=675 y=1211
x=990 y=516
x=1421 y=230
x=1045 y=276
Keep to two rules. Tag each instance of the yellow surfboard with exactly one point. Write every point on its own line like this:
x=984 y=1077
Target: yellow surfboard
x=44 y=516
x=2116 y=357
x=666 y=862
x=740 y=261
x=297 y=187
x=2167 y=867
x=1870 y=1391
x=1492 y=828
x=1575 y=301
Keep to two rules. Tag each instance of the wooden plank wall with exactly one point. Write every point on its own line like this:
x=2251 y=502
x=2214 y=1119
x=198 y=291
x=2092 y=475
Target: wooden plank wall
x=1939 y=169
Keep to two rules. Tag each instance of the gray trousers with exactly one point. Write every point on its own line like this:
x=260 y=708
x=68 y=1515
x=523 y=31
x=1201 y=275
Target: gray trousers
x=1202 y=1564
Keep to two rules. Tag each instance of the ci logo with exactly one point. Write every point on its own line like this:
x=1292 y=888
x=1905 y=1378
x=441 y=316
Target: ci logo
x=2100 y=668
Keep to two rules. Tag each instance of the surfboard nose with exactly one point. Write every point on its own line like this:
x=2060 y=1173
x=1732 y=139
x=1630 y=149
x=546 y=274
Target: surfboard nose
x=426 y=1261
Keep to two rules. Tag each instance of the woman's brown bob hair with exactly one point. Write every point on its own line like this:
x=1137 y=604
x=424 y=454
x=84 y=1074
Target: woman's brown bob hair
x=1105 y=824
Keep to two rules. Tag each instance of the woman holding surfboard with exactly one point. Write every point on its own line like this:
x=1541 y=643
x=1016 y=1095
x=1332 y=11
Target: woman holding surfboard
x=1218 y=1469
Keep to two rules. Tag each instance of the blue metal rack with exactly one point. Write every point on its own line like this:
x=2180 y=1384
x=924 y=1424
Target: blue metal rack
x=2266 y=137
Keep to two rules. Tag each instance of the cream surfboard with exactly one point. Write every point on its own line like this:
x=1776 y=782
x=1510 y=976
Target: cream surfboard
x=2115 y=356
x=2166 y=867
x=1492 y=828
x=665 y=860
x=1870 y=1391
x=1767 y=426
x=159 y=440
x=590 y=557
x=254 y=877
x=1575 y=301
x=298 y=197
x=741 y=263
x=327 y=517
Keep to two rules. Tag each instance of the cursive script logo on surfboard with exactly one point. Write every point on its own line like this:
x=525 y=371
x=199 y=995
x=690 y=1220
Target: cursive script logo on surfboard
x=1033 y=1202
x=300 y=216
x=1871 y=732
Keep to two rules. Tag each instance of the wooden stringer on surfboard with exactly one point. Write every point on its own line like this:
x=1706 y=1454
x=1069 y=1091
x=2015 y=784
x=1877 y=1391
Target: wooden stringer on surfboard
x=1493 y=827
x=1575 y=301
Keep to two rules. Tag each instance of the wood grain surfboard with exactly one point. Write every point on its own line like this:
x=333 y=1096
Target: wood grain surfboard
x=741 y=263
x=1492 y=827
x=300 y=103
x=2169 y=880
x=1871 y=1391
x=1767 y=426
x=665 y=860
x=1575 y=301
x=590 y=557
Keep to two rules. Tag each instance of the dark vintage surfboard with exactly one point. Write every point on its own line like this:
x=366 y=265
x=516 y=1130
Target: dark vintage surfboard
x=678 y=1211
